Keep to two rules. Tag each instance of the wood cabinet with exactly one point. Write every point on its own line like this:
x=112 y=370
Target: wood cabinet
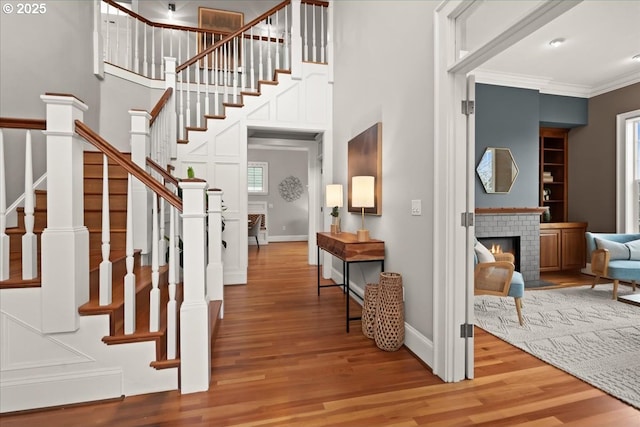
x=553 y=172
x=562 y=246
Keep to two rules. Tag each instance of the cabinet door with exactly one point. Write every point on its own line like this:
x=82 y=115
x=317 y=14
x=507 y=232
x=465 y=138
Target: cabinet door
x=550 y=250
x=573 y=249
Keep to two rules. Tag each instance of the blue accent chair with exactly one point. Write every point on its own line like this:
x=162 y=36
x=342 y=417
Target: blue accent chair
x=499 y=278
x=615 y=260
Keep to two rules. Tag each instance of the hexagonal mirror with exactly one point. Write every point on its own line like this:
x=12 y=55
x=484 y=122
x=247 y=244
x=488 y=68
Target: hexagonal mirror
x=497 y=170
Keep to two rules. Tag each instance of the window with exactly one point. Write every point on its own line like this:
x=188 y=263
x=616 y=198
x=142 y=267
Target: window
x=628 y=172
x=258 y=178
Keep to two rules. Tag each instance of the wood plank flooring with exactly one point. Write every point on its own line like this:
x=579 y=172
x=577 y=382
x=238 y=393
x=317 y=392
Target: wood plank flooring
x=283 y=358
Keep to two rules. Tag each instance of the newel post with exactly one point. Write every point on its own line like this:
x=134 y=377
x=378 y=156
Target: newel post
x=65 y=240
x=215 y=291
x=296 y=41
x=195 y=345
x=141 y=196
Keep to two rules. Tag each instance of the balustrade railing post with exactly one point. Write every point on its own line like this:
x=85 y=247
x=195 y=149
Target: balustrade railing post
x=65 y=240
x=215 y=291
x=170 y=108
x=140 y=150
x=296 y=41
x=195 y=345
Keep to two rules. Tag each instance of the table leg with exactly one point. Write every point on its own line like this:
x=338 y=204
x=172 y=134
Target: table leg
x=346 y=285
x=319 y=265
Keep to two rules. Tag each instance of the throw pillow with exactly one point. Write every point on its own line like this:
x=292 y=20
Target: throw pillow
x=483 y=254
x=616 y=250
x=634 y=249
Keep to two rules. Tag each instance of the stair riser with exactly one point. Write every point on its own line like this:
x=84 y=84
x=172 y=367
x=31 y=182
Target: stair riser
x=94 y=185
x=92 y=218
x=95 y=171
x=116 y=201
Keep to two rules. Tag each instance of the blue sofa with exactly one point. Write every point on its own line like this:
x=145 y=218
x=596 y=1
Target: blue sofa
x=615 y=256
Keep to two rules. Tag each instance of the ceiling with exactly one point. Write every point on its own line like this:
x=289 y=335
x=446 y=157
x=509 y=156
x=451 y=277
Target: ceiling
x=601 y=37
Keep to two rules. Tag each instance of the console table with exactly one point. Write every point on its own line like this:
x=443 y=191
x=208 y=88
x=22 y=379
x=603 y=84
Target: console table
x=346 y=247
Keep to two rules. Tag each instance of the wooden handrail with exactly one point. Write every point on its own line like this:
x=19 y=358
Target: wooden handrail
x=219 y=43
x=159 y=25
x=111 y=152
x=160 y=104
x=14 y=123
x=165 y=175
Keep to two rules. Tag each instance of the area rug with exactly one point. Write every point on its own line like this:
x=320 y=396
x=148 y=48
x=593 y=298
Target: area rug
x=579 y=330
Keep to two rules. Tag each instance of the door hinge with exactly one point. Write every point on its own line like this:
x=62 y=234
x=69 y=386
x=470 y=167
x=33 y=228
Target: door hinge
x=466 y=330
x=468 y=107
x=466 y=219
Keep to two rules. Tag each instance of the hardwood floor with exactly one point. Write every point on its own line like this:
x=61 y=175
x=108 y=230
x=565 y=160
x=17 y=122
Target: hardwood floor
x=283 y=358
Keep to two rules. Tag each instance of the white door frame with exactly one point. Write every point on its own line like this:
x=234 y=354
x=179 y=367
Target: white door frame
x=626 y=219
x=452 y=194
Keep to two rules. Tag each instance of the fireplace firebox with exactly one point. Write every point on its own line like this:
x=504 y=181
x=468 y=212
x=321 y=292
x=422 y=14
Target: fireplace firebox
x=510 y=244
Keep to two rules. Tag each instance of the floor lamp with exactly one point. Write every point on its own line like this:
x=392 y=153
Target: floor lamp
x=362 y=196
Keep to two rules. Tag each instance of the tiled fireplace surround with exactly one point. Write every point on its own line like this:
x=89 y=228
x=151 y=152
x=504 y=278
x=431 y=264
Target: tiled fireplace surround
x=508 y=222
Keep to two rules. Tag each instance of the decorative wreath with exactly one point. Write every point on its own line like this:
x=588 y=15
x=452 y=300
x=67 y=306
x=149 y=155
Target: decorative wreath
x=291 y=188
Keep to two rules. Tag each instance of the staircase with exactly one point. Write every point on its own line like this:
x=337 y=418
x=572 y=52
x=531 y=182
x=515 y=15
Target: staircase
x=66 y=366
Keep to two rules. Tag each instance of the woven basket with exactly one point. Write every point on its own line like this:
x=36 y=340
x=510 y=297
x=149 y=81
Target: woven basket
x=389 y=320
x=369 y=309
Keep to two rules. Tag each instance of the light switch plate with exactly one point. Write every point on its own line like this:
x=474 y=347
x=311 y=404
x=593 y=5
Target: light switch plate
x=416 y=207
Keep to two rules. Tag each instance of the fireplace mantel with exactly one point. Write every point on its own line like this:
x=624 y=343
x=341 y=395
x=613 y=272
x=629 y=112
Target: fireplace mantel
x=510 y=211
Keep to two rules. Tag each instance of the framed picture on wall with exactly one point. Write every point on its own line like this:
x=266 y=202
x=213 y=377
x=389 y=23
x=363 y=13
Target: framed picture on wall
x=221 y=23
x=365 y=158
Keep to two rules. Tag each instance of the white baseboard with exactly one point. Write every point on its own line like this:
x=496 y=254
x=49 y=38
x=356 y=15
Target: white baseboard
x=417 y=343
x=291 y=238
x=59 y=386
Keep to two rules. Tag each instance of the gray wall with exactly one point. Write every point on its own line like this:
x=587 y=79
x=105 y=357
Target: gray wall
x=366 y=58
x=563 y=111
x=49 y=52
x=508 y=117
x=592 y=160
x=284 y=218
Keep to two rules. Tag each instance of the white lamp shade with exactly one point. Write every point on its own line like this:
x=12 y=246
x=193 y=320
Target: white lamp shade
x=334 y=195
x=362 y=191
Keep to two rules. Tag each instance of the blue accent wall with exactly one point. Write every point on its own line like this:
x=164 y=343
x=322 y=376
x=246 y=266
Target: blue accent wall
x=509 y=117
x=563 y=111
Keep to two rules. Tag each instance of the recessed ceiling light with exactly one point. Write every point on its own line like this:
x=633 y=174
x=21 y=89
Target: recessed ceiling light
x=556 y=42
x=636 y=58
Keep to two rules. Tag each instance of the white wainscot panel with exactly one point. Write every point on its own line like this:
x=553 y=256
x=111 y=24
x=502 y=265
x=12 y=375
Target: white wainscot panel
x=261 y=113
x=288 y=105
x=226 y=176
x=316 y=99
x=227 y=142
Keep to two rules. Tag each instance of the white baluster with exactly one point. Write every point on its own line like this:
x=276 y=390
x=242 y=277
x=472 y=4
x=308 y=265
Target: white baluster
x=225 y=54
x=313 y=34
x=286 y=38
x=235 y=70
x=187 y=112
x=4 y=238
x=172 y=324
x=277 y=45
x=269 y=62
x=207 y=64
x=105 y=265
x=181 y=114
x=243 y=55
x=107 y=45
x=128 y=61
x=29 y=240
x=252 y=73
x=136 y=55
x=162 y=53
x=260 y=65
x=130 y=277
x=323 y=37
x=153 y=52
x=162 y=242
x=145 y=62
x=198 y=96
x=306 y=34
x=216 y=82
x=154 y=296
x=116 y=60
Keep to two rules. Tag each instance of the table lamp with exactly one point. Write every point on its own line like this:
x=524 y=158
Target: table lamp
x=362 y=196
x=333 y=197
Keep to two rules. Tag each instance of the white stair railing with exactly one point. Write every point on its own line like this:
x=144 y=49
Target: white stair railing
x=4 y=238
x=106 y=280
x=29 y=239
